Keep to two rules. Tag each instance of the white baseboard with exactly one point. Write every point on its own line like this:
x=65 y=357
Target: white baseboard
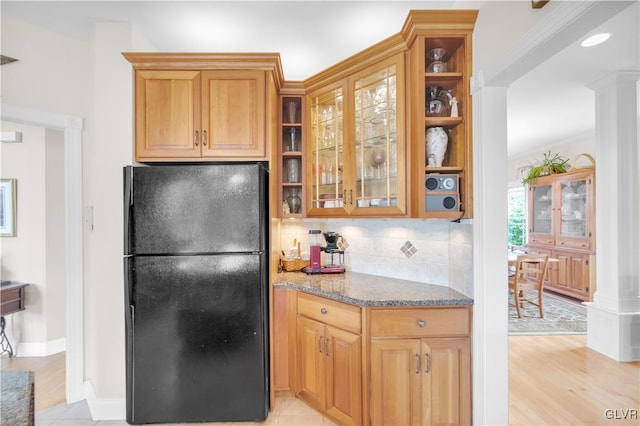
x=24 y=349
x=104 y=408
x=613 y=334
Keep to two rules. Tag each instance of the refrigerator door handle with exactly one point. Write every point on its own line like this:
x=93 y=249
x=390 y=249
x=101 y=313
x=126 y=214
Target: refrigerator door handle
x=128 y=202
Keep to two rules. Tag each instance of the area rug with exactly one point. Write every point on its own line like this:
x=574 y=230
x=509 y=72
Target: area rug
x=561 y=316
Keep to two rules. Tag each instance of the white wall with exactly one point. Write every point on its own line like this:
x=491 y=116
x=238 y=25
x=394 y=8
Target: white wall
x=36 y=255
x=110 y=148
x=569 y=149
x=52 y=72
x=494 y=34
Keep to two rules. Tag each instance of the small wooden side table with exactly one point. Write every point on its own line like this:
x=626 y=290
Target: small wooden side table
x=11 y=301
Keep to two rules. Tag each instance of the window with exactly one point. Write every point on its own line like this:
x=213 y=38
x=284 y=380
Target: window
x=517 y=216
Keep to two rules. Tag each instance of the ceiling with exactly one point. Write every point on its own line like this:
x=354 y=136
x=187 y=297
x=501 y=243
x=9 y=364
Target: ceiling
x=550 y=104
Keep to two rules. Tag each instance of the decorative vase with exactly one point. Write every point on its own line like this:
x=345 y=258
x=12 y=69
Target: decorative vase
x=294 y=203
x=437 y=140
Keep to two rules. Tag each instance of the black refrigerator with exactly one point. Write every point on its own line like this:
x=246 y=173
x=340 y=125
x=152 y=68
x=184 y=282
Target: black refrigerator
x=196 y=292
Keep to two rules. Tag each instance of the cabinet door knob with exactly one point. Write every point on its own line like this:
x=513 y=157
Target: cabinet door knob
x=320 y=344
x=204 y=137
x=421 y=323
x=417 y=364
x=427 y=362
x=323 y=311
x=196 y=137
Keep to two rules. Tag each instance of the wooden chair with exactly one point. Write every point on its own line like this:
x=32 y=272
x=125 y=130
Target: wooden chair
x=529 y=275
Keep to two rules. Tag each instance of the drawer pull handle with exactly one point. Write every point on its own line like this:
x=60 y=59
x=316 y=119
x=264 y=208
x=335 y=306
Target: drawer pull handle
x=320 y=344
x=427 y=362
x=421 y=323
x=326 y=347
x=196 y=137
x=417 y=364
x=323 y=311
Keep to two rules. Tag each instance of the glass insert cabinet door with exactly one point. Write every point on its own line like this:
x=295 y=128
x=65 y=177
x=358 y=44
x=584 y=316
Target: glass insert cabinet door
x=573 y=221
x=542 y=209
x=356 y=162
x=327 y=150
x=376 y=150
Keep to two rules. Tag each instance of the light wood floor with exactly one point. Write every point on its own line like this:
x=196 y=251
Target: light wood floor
x=49 y=377
x=557 y=380
x=553 y=380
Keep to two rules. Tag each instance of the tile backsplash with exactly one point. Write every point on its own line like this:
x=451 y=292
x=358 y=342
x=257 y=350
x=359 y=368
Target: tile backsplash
x=430 y=251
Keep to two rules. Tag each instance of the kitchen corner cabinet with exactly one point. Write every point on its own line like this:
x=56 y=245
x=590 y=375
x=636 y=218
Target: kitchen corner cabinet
x=291 y=151
x=328 y=357
x=562 y=225
x=439 y=84
x=202 y=107
x=356 y=143
x=420 y=366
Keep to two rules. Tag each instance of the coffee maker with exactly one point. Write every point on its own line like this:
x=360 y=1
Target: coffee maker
x=336 y=254
x=333 y=250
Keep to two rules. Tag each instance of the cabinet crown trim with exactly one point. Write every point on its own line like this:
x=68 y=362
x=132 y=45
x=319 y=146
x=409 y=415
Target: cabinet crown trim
x=208 y=61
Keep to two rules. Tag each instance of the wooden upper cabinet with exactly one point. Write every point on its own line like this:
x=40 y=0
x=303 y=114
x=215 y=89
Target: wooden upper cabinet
x=204 y=106
x=167 y=114
x=233 y=113
x=356 y=145
x=368 y=118
x=440 y=104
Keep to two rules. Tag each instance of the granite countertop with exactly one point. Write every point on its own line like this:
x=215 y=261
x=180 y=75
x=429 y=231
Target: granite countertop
x=371 y=290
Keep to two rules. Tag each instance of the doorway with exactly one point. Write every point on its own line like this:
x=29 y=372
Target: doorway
x=71 y=126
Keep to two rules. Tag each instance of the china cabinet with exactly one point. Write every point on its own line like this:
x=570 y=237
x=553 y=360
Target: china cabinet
x=291 y=149
x=356 y=143
x=203 y=107
x=562 y=224
x=440 y=110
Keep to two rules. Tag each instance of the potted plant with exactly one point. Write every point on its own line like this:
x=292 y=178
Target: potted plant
x=550 y=164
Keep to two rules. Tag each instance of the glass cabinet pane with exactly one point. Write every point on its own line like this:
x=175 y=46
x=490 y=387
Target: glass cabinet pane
x=574 y=209
x=376 y=151
x=327 y=150
x=542 y=205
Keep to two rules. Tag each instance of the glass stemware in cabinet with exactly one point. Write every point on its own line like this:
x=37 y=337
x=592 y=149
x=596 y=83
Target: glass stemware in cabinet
x=327 y=150
x=375 y=131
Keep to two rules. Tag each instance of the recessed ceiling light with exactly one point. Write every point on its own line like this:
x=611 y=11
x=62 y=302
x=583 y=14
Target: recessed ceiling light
x=595 y=39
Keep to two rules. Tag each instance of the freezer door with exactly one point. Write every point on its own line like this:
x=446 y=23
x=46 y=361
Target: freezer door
x=188 y=209
x=197 y=348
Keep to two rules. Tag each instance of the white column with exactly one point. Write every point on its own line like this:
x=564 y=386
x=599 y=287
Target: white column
x=490 y=310
x=613 y=319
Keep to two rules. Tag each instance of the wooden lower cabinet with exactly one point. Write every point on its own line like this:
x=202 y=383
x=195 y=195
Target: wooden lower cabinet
x=329 y=370
x=572 y=275
x=420 y=381
x=382 y=366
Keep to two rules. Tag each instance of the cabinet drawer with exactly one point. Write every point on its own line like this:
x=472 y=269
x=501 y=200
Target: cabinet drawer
x=420 y=322
x=574 y=243
x=341 y=315
x=547 y=241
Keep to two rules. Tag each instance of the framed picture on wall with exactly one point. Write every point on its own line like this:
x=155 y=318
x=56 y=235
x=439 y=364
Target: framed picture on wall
x=8 y=201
